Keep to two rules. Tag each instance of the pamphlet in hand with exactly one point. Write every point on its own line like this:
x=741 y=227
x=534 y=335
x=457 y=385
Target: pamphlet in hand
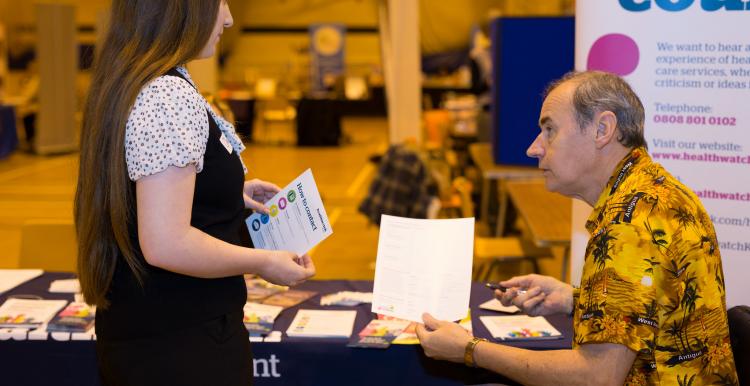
x=76 y=317
x=520 y=327
x=322 y=324
x=423 y=266
x=259 y=318
x=28 y=313
x=297 y=222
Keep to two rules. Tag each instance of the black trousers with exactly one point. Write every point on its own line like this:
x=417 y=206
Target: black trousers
x=214 y=353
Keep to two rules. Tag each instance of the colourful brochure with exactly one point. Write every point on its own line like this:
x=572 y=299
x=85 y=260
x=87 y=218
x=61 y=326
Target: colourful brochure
x=297 y=222
x=379 y=333
x=76 y=317
x=259 y=318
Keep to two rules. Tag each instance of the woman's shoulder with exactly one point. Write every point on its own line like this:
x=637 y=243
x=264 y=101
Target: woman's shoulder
x=168 y=87
x=169 y=96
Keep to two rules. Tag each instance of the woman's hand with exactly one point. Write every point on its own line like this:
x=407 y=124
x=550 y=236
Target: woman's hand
x=256 y=192
x=286 y=268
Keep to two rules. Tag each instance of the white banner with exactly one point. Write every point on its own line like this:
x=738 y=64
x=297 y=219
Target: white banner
x=689 y=61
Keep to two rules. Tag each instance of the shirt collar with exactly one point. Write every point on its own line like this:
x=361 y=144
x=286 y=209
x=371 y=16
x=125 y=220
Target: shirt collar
x=184 y=71
x=623 y=170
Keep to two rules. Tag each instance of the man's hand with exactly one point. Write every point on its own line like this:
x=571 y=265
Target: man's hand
x=442 y=340
x=256 y=192
x=286 y=268
x=543 y=295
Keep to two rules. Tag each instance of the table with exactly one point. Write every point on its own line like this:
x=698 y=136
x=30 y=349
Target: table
x=481 y=154
x=318 y=122
x=547 y=215
x=8 y=134
x=293 y=361
x=243 y=108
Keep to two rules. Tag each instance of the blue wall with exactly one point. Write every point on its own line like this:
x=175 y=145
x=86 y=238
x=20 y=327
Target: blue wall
x=527 y=54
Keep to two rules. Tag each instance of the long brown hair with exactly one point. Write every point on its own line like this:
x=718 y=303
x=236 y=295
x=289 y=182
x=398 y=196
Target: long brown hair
x=145 y=39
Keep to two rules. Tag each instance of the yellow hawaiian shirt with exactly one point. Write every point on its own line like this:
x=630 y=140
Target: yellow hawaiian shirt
x=652 y=279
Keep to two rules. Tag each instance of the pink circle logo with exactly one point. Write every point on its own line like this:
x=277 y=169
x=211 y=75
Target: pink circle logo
x=615 y=53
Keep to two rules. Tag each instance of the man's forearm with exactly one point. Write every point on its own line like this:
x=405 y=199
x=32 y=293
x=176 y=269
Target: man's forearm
x=593 y=364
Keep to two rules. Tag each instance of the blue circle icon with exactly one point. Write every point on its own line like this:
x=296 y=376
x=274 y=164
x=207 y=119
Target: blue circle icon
x=256 y=225
x=264 y=218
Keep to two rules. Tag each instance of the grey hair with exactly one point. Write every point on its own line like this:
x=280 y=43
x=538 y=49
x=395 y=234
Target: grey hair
x=597 y=91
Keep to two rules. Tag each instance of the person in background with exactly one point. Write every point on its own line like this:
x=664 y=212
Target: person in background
x=159 y=207
x=651 y=308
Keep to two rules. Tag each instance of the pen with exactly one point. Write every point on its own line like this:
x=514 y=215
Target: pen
x=495 y=286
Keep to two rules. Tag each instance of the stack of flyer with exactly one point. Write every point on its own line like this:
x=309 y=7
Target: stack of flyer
x=259 y=289
x=11 y=278
x=346 y=298
x=28 y=313
x=289 y=298
x=322 y=324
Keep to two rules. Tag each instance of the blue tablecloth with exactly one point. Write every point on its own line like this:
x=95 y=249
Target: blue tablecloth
x=8 y=134
x=293 y=361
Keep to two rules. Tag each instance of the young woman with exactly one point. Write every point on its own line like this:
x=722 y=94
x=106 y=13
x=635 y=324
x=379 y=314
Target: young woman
x=159 y=206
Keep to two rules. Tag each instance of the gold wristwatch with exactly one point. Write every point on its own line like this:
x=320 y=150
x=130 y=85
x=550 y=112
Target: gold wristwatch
x=469 y=351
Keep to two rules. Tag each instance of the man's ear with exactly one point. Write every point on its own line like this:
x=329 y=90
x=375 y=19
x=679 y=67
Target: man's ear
x=605 y=124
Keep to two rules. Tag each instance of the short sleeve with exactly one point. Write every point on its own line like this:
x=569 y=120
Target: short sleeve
x=167 y=126
x=617 y=302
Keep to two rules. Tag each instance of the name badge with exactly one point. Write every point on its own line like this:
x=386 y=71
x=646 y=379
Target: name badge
x=224 y=141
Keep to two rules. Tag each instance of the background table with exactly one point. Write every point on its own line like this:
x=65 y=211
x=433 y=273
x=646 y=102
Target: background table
x=293 y=361
x=318 y=122
x=547 y=215
x=481 y=154
x=8 y=134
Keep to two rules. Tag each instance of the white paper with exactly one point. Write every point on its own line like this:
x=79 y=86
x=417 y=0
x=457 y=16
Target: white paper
x=70 y=286
x=423 y=266
x=519 y=327
x=297 y=222
x=322 y=324
x=495 y=305
x=11 y=278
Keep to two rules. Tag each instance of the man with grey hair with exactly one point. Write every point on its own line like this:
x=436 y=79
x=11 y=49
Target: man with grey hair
x=651 y=308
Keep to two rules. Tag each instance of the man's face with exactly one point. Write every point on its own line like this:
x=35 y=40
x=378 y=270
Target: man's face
x=565 y=152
